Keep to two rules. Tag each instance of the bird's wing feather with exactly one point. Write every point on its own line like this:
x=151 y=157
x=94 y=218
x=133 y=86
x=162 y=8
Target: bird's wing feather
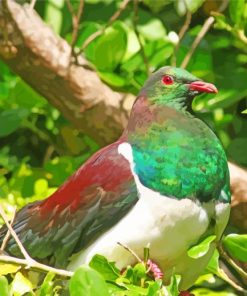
x=96 y=197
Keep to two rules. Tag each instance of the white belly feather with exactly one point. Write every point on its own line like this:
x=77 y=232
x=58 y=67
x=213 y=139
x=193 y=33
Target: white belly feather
x=167 y=225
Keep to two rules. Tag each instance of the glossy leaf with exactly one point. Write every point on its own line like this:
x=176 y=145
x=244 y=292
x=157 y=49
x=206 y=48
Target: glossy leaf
x=4 y=287
x=107 y=269
x=236 y=246
x=202 y=248
x=110 y=48
x=87 y=281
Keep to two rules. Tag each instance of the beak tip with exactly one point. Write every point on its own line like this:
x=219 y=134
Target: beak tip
x=202 y=86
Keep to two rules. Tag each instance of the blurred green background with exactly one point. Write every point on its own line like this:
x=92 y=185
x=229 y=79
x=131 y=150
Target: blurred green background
x=39 y=148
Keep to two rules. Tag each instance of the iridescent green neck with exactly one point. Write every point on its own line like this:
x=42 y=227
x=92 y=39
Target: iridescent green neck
x=164 y=98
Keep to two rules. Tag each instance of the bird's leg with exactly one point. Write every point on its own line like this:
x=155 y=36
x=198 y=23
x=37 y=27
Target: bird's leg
x=185 y=293
x=154 y=269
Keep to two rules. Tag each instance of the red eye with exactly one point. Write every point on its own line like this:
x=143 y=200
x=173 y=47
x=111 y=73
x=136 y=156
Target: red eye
x=167 y=79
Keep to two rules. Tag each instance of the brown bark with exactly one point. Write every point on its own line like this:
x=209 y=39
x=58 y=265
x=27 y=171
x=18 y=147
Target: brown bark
x=43 y=60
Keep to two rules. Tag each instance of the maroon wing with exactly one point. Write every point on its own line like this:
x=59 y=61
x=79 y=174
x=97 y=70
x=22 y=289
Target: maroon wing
x=96 y=197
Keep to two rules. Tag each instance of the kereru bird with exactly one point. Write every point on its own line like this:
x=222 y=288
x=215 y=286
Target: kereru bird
x=164 y=183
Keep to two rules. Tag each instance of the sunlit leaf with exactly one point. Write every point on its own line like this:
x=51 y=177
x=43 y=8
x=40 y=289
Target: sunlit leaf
x=6 y=268
x=4 y=287
x=21 y=285
x=107 y=269
x=236 y=9
x=87 y=281
x=47 y=285
x=202 y=248
x=110 y=48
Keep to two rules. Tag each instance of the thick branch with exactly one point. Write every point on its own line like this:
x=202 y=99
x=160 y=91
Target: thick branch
x=42 y=59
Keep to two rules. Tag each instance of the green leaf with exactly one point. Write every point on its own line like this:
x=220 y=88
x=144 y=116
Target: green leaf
x=53 y=14
x=41 y=187
x=213 y=265
x=47 y=285
x=111 y=47
x=193 y=5
x=202 y=248
x=107 y=269
x=20 y=285
x=236 y=246
x=87 y=281
x=10 y=120
x=205 y=292
x=113 y=79
x=4 y=287
x=153 y=29
x=154 y=288
x=236 y=9
x=139 y=272
x=6 y=268
x=25 y=97
x=172 y=289
x=244 y=112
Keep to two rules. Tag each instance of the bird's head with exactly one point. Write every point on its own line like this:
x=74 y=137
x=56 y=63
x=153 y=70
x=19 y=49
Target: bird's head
x=174 y=87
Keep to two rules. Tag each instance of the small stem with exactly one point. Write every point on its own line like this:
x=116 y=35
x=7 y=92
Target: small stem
x=206 y=26
x=14 y=235
x=8 y=234
x=32 y=4
x=35 y=265
x=221 y=274
x=232 y=262
x=131 y=251
x=135 y=19
x=181 y=34
x=101 y=31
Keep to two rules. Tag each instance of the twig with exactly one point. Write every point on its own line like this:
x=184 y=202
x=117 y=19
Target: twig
x=35 y=265
x=8 y=234
x=32 y=4
x=221 y=274
x=75 y=22
x=101 y=31
x=181 y=34
x=11 y=230
x=135 y=19
x=28 y=262
x=206 y=26
x=131 y=252
x=231 y=262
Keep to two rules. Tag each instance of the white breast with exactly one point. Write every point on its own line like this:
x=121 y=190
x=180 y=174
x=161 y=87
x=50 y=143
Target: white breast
x=167 y=225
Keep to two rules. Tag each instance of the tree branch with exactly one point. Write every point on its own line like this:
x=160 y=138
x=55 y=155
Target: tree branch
x=34 y=265
x=76 y=91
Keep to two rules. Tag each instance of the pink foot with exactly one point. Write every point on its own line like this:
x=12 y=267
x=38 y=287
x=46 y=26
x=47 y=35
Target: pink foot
x=154 y=269
x=185 y=293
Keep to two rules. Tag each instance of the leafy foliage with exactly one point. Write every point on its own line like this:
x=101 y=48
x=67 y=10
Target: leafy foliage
x=39 y=148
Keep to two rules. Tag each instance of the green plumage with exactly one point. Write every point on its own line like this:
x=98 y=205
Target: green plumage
x=176 y=153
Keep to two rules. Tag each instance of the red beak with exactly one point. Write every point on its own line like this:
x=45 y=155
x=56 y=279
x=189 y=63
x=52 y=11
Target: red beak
x=202 y=86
